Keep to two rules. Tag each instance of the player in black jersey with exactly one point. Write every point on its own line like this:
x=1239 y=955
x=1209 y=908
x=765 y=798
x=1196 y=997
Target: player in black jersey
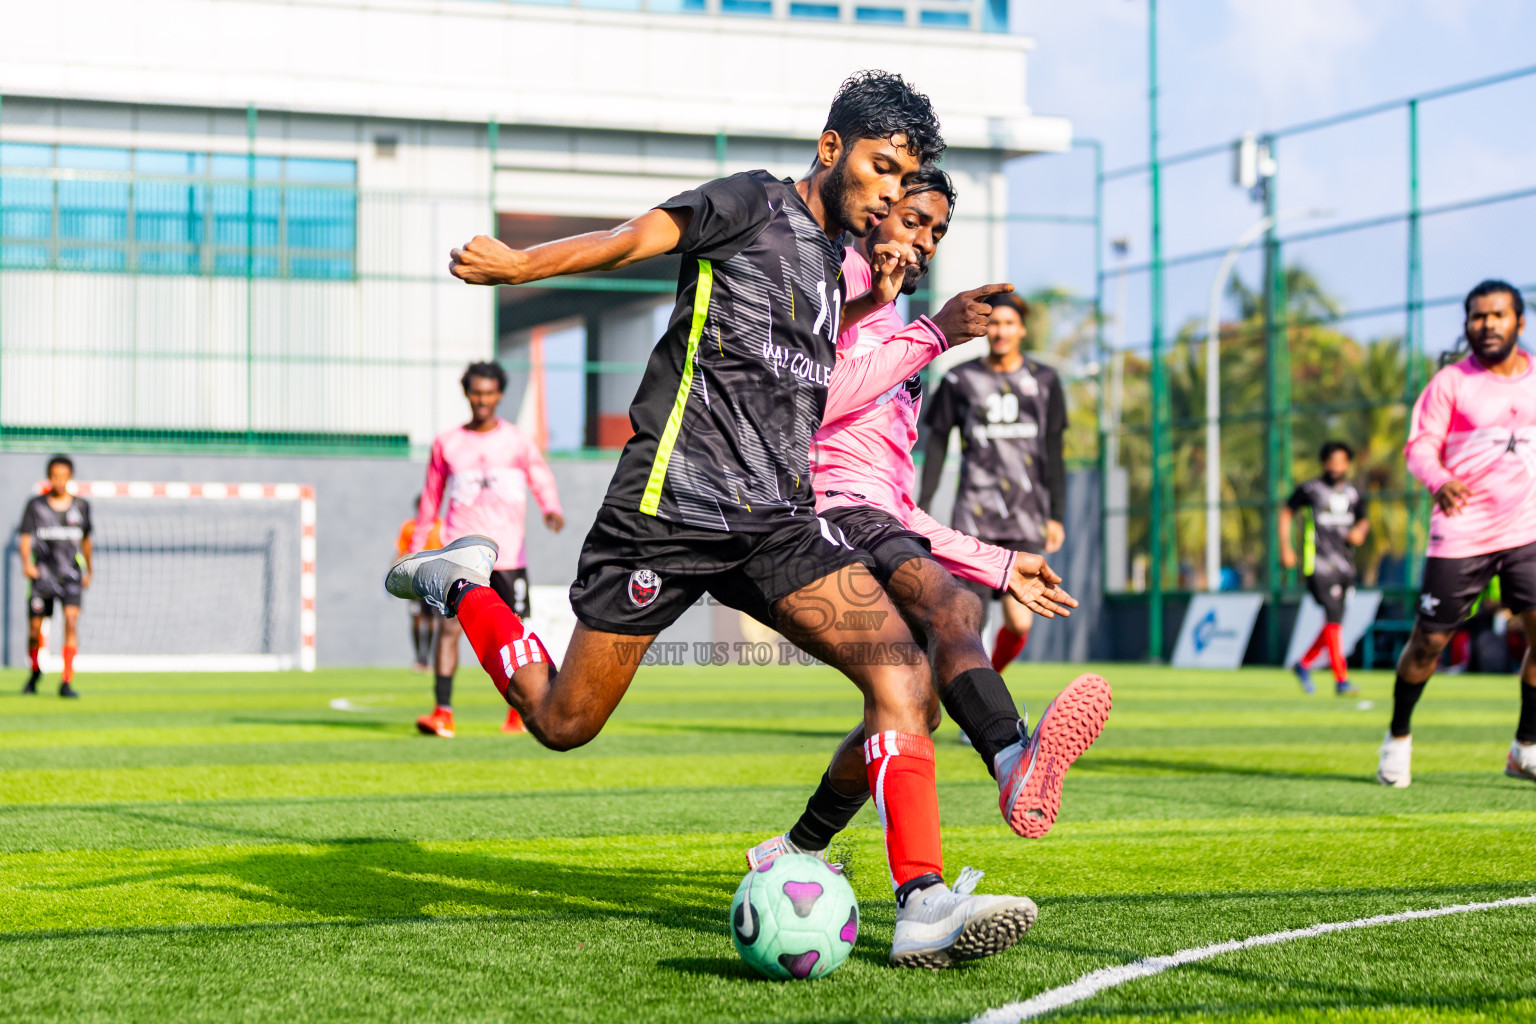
x=1335 y=526
x=55 y=543
x=1011 y=413
x=713 y=492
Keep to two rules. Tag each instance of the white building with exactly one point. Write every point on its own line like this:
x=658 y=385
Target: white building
x=229 y=220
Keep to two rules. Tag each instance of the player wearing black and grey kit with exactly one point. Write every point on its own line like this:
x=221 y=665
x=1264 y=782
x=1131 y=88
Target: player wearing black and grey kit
x=55 y=542
x=713 y=492
x=1334 y=524
x=1332 y=508
x=1011 y=413
x=57 y=539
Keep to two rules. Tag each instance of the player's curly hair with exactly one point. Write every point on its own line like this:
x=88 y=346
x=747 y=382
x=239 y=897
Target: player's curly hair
x=879 y=105
x=930 y=178
x=490 y=371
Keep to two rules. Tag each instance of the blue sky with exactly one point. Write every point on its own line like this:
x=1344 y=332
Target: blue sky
x=1233 y=65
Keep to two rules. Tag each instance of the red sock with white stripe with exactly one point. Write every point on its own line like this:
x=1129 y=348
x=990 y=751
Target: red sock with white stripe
x=902 y=781
x=32 y=650
x=496 y=634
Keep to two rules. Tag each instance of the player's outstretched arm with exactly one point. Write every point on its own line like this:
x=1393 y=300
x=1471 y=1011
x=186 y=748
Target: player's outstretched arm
x=486 y=260
x=1287 y=553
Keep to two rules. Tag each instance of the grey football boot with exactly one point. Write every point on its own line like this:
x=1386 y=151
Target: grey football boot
x=428 y=575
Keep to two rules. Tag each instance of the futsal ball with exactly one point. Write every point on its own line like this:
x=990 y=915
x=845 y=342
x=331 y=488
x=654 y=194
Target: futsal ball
x=794 y=918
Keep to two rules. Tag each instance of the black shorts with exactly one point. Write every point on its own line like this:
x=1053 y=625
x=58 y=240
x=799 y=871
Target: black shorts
x=512 y=586
x=880 y=534
x=639 y=573
x=1451 y=585
x=987 y=593
x=44 y=592
x=1329 y=592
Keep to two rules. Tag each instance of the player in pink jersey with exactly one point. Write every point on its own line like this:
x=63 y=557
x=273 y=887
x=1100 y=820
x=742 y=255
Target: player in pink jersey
x=1473 y=444
x=486 y=469
x=863 y=475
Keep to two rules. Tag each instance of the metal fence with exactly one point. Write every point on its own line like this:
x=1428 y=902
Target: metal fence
x=1330 y=299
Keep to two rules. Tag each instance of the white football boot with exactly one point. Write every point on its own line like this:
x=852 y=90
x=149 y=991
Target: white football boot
x=940 y=926
x=1395 y=767
x=778 y=846
x=428 y=575
x=1521 y=763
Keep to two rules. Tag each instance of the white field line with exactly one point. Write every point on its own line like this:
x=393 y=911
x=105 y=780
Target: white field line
x=1108 y=977
x=343 y=704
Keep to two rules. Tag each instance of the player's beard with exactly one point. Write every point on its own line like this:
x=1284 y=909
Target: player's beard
x=1492 y=347
x=837 y=198
x=1332 y=479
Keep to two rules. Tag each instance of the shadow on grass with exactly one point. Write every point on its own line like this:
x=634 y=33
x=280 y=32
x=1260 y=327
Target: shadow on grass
x=1097 y=763
x=728 y=967
x=350 y=722
x=383 y=879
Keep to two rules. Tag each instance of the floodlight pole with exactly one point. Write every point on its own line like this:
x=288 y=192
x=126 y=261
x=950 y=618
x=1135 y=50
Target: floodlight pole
x=1213 y=387
x=1213 y=402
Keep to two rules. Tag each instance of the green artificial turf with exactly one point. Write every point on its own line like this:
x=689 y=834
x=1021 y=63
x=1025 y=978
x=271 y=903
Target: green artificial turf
x=232 y=847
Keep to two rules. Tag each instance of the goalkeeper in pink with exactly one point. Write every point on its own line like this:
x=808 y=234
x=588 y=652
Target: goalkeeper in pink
x=863 y=475
x=486 y=469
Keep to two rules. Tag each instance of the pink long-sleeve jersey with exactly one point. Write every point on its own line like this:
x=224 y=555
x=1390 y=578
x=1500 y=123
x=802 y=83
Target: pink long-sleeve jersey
x=1479 y=428
x=862 y=455
x=487 y=478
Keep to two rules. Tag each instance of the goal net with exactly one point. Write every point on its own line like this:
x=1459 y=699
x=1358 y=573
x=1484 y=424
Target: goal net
x=192 y=577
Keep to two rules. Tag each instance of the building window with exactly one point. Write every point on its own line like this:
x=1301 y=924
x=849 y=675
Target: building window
x=755 y=8
x=105 y=210
x=946 y=19
x=825 y=11
x=883 y=15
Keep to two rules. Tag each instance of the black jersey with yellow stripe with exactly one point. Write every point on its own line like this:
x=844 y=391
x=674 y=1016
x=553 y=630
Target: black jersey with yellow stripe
x=734 y=391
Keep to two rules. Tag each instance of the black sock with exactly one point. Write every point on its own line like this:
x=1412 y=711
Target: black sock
x=826 y=814
x=422 y=632
x=979 y=702
x=1404 y=696
x=456 y=591
x=1525 y=732
x=917 y=884
x=444 y=691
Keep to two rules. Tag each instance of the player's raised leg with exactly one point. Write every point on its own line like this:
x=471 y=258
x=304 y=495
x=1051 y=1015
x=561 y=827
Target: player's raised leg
x=847 y=621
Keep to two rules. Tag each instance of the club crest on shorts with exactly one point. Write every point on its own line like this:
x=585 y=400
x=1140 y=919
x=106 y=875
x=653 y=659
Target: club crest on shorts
x=644 y=585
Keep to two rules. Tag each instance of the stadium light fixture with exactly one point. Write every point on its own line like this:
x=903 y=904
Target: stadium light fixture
x=1213 y=379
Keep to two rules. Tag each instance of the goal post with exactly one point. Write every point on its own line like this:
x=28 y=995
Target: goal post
x=191 y=577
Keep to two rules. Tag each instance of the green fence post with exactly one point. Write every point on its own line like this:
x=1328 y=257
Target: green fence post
x=1277 y=393
x=1413 y=342
x=1159 y=371
x=250 y=272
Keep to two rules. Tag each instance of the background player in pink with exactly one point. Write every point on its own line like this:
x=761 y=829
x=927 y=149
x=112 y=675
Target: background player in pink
x=486 y=469
x=1473 y=444
x=863 y=475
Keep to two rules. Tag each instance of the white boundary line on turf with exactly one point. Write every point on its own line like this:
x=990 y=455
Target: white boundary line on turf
x=1108 y=977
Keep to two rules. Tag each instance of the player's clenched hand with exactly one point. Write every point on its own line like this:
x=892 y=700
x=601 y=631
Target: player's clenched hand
x=487 y=260
x=1037 y=586
x=85 y=581
x=1452 y=496
x=555 y=521
x=29 y=570
x=888 y=265
x=965 y=316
